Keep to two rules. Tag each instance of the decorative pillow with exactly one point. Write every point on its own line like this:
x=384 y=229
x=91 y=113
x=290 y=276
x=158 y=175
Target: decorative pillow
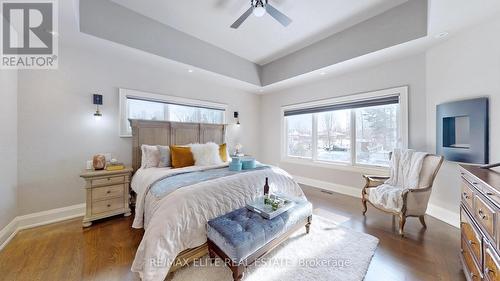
x=150 y=156
x=164 y=156
x=223 y=152
x=206 y=154
x=181 y=156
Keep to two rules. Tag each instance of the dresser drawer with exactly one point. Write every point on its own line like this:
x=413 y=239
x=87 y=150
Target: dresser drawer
x=108 y=180
x=471 y=269
x=107 y=192
x=467 y=194
x=485 y=215
x=471 y=235
x=491 y=264
x=105 y=206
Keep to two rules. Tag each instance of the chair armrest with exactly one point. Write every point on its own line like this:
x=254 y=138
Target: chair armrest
x=374 y=181
x=421 y=189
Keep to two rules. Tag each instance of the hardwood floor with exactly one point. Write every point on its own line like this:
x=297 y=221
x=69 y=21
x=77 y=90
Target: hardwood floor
x=65 y=251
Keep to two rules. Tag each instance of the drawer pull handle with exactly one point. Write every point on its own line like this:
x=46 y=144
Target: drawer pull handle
x=109 y=179
x=490 y=193
x=108 y=192
x=475 y=183
x=482 y=215
x=472 y=242
x=490 y=271
x=109 y=205
x=466 y=196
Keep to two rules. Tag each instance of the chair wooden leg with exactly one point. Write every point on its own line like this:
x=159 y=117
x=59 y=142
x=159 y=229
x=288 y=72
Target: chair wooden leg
x=364 y=206
x=308 y=224
x=402 y=221
x=422 y=221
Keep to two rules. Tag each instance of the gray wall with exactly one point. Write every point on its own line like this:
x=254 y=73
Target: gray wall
x=8 y=146
x=466 y=66
x=57 y=133
x=409 y=71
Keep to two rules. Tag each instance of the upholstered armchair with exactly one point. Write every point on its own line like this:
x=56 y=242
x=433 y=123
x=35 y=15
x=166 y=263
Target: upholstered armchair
x=414 y=201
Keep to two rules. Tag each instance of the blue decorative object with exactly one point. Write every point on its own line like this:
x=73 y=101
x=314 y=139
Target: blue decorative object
x=236 y=160
x=235 y=166
x=463 y=131
x=249 y=164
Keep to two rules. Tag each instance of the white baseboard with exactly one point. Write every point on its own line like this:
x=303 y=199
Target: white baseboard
x=440 y=213
x=37 y=219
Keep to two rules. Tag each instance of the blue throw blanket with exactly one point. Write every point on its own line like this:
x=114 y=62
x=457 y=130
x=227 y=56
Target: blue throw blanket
x=168 y=185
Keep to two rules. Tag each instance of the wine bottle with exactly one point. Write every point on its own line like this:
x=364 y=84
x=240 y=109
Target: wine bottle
x=266 y=188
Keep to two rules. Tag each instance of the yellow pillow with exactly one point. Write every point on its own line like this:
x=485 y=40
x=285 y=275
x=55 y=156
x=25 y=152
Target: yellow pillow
x=223 y=152
x=181 y=156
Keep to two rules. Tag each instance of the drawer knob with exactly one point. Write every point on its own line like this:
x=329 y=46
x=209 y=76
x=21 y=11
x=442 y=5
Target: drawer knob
x=471 y=242
x=481 y=214
x=109 y=179
x=466 y=196
x=108 y=192
x=109 y=205
x=489 y=271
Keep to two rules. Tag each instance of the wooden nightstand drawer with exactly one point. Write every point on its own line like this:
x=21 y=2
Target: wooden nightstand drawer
x=111 y=180
x=485 y=214
x=107 y=192
x=105 y=206
x=491 y=264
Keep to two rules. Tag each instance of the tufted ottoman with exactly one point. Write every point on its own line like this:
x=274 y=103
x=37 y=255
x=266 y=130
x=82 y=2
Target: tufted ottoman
x=242 y=236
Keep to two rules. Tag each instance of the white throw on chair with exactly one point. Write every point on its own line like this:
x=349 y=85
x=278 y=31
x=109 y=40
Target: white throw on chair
x=407 y=191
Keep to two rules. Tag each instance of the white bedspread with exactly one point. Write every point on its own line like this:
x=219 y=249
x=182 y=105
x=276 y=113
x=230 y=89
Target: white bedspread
x=405 y=173
x=177 y=221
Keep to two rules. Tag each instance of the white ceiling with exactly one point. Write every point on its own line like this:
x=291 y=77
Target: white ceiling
x=444 y=15
x=260 y=40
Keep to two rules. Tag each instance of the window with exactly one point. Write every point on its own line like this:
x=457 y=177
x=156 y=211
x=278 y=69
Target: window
x=300 y=136
x=357 y=130
x=146 y=106
x=334 y=136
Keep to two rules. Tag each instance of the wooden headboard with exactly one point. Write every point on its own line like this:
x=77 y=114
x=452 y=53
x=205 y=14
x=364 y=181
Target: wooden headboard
x=171 y=133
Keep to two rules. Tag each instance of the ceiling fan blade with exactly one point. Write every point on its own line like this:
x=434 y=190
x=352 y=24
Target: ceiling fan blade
x=277 y=15
x=241 y=19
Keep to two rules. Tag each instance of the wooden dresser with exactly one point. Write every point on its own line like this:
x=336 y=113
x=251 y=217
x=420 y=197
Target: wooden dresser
x=107 y=194
x=480 y=223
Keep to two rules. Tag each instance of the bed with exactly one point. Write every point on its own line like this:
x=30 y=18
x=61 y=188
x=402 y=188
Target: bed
x=174 y=205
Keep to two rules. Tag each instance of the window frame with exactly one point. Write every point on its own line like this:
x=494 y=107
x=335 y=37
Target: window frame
x=402 y=92
x=125 y=94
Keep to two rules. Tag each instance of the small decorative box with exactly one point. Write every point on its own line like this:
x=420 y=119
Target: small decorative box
x=235 y=166
x=249 y=164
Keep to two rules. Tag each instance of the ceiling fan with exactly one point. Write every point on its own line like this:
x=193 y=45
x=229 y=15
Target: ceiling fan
x=259 y=8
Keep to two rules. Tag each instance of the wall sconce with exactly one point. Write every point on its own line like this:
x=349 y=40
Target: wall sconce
x=237 y=117
x=97 y=101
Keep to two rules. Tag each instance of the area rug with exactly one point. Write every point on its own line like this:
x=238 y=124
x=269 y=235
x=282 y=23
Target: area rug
x=329 y=252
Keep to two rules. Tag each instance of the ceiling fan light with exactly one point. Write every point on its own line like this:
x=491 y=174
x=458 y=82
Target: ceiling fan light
x=259 y=11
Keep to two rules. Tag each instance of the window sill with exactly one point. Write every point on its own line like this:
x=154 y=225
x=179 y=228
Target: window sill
x=376 y=170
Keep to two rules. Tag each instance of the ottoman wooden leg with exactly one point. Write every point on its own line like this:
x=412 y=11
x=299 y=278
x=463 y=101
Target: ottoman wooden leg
x=237 y=272
x=212 y=256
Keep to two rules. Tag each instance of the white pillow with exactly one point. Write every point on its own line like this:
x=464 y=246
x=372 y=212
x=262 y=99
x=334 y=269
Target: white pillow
x=165 y=160
x=150 y=156
x=205 y=154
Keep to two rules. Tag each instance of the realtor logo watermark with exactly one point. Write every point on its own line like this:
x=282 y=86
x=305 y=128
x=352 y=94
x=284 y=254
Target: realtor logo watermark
x=29 y=34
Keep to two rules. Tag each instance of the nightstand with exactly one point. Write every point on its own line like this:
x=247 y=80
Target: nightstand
x=107 y=194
